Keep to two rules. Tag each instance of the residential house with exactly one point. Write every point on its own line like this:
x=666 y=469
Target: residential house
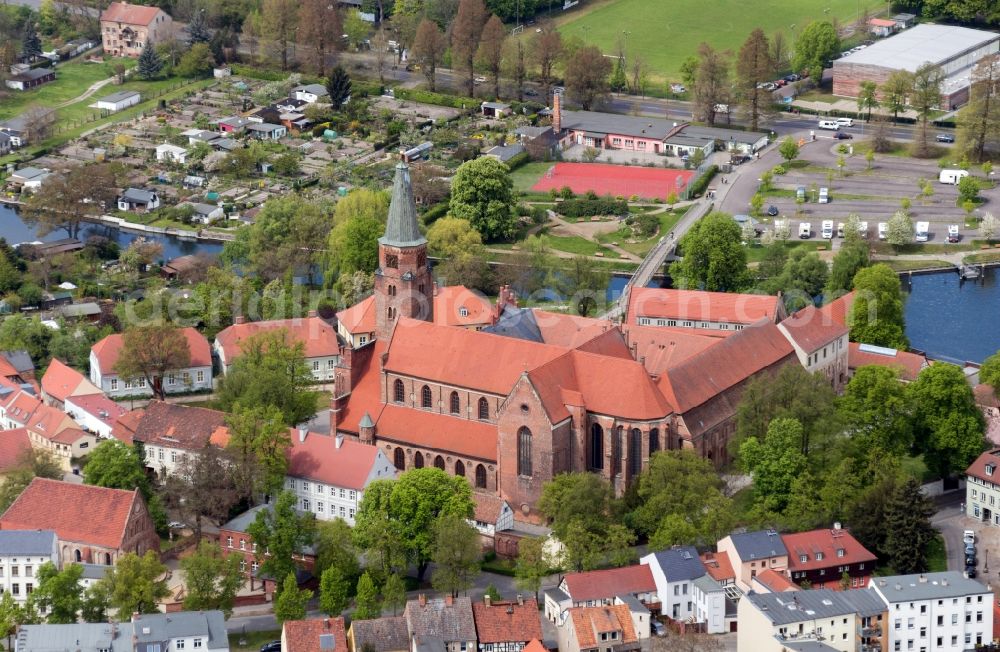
x=196 y=136
x=441 y=624
x=506 y=626
x=22 y=552
x=30 y=79
x=234 y=539
x=16 y=129
x=92 y=574
x=753 y=552
x=61 y=382
x=29 y=179
x=322 y=348
x=171 y=154
x=118 y=101
x=316 y=635
x=329 y=474
x=138 y=200
x=185 y=267
x=288 y=105
x=356 y=325
x=881 y=27
x=88 y=311
x=937 y=611
x=820 y=344
x=771 y=581
x=907 y=364
x=982 y=488
x=197 y=376
x=386 y=634
x=719 y=568
x=266 y=131
x=686 y=591
x=93 y=524
x=233 y=124
x=491 y=515
x=823 y=557
x=592 y=629
x=55 y=432
x=775 y=622
x=126 y=28
x=311 y=93
x=170 y=432
x=178 y=631
x=96 y=413
x=205 y=213
x=505 y=153
x=600 y=587
x=15 y=445
x=16 y=366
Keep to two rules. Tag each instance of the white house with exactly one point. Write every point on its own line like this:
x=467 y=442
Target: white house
x=197 y=376
x=118 y=101
x=329 y=474
x=935 y=611
x=95 y=413
x=599 y=588
x=685 y=589
x=199 y=631
x=138 y=200
x=492 y=514
x=982 y=488
x=21 y=553
x=171 y=153
x=311 y=93
x=266 y=131
x=170 y=432
x=820 y=343
x=205 y=213
x=322 y=348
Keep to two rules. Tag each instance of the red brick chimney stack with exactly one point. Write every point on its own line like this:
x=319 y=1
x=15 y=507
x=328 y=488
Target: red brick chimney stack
x=556 y=113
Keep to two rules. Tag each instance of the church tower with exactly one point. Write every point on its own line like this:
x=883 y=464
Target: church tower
x=403 y=283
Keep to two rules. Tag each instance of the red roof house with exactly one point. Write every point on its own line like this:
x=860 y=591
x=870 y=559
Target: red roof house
x=822 y=557
x=507 y=624
x=62 y=381
x=601 y=586
x=317 y=635
x=196 y=376
x=909 y=365
x=318 y=337
x=771 y=581
x=127 y=28
x=14 y=445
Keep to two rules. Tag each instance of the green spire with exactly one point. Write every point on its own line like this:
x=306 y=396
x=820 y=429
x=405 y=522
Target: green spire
x=401 y=229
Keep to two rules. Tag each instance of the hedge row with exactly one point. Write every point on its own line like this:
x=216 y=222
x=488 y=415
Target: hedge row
x=519 y=160
x=427 y=97
x=589 y=207
x=699 y=186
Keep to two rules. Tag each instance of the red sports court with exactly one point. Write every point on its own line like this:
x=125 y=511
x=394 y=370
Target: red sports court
x=624 y=180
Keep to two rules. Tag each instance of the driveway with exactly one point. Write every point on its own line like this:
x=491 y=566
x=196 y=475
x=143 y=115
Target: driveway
x=951 y=521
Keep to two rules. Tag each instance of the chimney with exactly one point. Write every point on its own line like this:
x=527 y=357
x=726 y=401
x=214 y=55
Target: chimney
x=312 y=313
x=449 y=600
x=556 y=114
x=326 y=623
x=340 y=440
x=487 y=600
x=303 y=432
x=520 y=599
x=422 y=599
x=836 y=525
x=240 y=319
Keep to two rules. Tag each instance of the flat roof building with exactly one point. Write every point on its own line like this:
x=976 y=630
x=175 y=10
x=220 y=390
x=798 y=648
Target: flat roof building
x=955 y=49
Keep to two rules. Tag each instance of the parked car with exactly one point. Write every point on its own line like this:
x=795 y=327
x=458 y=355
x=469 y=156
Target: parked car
x=805 y=230
x=969 y=536
x=792 y=78
x=970 y=571
x=780 y=82
x=845 y=122
x=531 y=92
x=970 y=560
x=558 y=89
x=677 y=88
x=273 y=646
x=945 y=138
x=658 y=628
x=772 y=210
x=176 y=525
x=970 y=549
x=480 y=80
x=842 y=135
x=953 y=234
x=721 y=108
x=883 y=230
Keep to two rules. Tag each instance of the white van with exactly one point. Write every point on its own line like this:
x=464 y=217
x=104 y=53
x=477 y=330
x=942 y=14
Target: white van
x=952 y=176
x=840 y=229
x=721 y=108
x=832 y=125
x=922 y=231
x=883 y=230
x=827 y=229
x=824 y=196
x=845 y=122
x=863 y=229
x=805 y=230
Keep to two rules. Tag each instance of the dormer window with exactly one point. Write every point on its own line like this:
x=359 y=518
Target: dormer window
x=990 y=468
x=819 y=556
x=463 y=312
x=803 y=558
x=840 y=552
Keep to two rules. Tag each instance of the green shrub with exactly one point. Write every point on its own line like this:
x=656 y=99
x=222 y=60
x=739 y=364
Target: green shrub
x=518 y=161
x=589 y=207
x=698 y=187
x=427 y=97
x=435 y=212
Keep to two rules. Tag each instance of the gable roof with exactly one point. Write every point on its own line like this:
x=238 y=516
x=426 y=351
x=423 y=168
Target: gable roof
x=502 y=622
x=14 y=444
x=380 y=634
x=775 y=582
x=680 y=564
x=812 y=328
x=178 y=426
x=718 y=566
x=49 y=422
x=76 y=512
x=470 y=437
x=978 y=468
x=798 y=606
x=698 y=305
x=62 y=381
x=607 y=583
x=359 y=318
x=659 y=348
x=108 y=349
x=317 y=336
x=318 y=458
x=589 y=621
x=487 y=507
x=126 y=425
x=450 y=301
x=907 y=364
x=760 y=544
x=450 y=620
x=839 y=309
x=838 y=547
x=317 y=635
x=124 y=12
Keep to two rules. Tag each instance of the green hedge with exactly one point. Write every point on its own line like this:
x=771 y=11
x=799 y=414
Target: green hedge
x=699 y=186
x=589 y=207
x=440 y=99
x=435 y=212
x=265 y=74
x=519 y=160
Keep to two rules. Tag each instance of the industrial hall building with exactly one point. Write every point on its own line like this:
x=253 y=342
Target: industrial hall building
x=508 y=397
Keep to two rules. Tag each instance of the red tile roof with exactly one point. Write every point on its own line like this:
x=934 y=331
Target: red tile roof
x=124 y=429
x=304 y=635
x=978 y=468
x=48 y=421
x=716 y=369
x=696 y=305
x=776 y=582
x=318 y=459
x=365 y=393
x=881 y=22
x=718 y=566
x=506 y=622
x=22 y=405
x=661 y=348
x=178 y=426
x=590 y=621
x=838 y=309
x=76 y=512
x=416 y=427
x=317 y=336
x=908 y=364
x=107 y=350
x=827 y=541
x=61 y=381
x=359 y=318
x=570 y=331
x=534 y=646
x=600 y=584
x=70 y=436
x=7 y=370
x=123 y=12
x=487 y=507
x=13 y=445
x=812 y=328
x=450 y=300
x=100 y=407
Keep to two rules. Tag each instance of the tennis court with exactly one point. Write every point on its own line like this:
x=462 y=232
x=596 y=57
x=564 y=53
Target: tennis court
x=615 y=180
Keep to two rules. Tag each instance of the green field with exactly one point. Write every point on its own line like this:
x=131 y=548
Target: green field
x=72 y=79
x=664 y=33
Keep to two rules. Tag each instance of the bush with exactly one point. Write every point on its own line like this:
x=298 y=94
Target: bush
x=778 y=170
x=698 y=187
x=648 y=224
x=518 y=161
x=589 y=207
x=435 y=212
x=427 y=97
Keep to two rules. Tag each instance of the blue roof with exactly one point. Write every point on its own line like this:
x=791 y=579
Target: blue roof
x=680 y=564
x=27 y=542
x=758 y=545
x=518 y=323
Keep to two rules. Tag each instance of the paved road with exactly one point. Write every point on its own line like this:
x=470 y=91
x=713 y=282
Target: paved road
x=950 y=521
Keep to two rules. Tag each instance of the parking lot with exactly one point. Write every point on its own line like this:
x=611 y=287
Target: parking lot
x=952 y=522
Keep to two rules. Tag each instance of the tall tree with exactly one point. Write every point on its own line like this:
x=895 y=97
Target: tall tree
x=546 y=49
x=587 y=76
x=66 y=200
x=948 y=427
x=868 y=97
x=136 y=584
x=366 y=599
x=774 y=463
x=876 y=411
x=394 y=593
x=852 y=258
x=465 y=32
x=291 y=602
x=895 y=91
x=150 y=65
x=925 y=99
x=334 y=591
x=482 y=193
x=338 y=85
x=816 y=47
x=377 y=531
x=908 y=528
x=211 y=579
x=429 y=47
x=258 y=443
x=280 y=534
x=979 y=120
x=279 y=18
x=198 y=29
x=31 y=44
x=320 y=27
x=151 y=352
x=755 y=65
x=491 y=50
x=877 y=314
x=714 y=258
x=532 y=564
x=59 y=593
x=711 y=84
x=779 y=50
x=202 y=488
x=456 y=554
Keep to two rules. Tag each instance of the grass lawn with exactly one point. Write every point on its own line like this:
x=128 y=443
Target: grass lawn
x=72 y=79
x=253 y=640
x=528 y=174
x=985 y=257
x=574 y=244
x=755 y=253
x=667 y=222
x=664 y=33
x=909 y=265
x=937 y=560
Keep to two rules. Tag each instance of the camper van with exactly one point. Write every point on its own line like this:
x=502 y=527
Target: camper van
x=952 y=176
x=863 y=229
x=805 y=230
x=883 y=230
x=827 y=229
x=832 y=125
x=845 y=122
x=824 y=196
x=800 y=193
x=922 y=231
x=840 y=229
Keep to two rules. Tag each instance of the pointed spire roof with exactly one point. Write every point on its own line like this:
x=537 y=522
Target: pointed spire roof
x=401 y=229
x=366 y=421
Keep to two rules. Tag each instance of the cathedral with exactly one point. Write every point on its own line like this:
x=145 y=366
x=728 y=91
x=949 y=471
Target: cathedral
x=508 y=397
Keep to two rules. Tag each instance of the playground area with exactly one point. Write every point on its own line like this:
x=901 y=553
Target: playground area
x=615 y=180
